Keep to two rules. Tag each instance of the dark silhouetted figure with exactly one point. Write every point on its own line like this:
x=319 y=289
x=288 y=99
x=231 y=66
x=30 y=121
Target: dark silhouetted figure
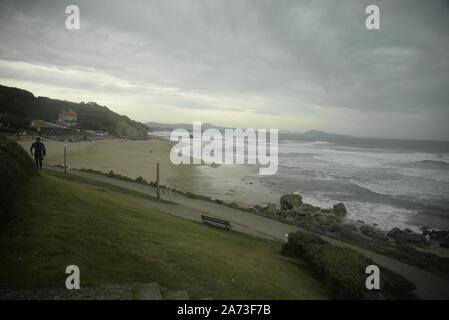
x=39 y=152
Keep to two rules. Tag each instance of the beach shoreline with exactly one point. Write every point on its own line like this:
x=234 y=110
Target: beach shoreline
x=129 y=158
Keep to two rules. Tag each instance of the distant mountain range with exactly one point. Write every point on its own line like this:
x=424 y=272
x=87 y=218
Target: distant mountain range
x=157 y=126
x=18 y=107
x=322 y=134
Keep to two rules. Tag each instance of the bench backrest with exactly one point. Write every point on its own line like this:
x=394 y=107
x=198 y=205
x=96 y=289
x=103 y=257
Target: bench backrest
x=215 y=220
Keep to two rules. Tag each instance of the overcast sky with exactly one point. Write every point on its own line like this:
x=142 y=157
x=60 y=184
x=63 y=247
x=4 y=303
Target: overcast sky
x=293 y=65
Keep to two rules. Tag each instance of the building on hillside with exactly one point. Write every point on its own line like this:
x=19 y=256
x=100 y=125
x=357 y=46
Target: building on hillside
x=68 y=118
x=41 y=124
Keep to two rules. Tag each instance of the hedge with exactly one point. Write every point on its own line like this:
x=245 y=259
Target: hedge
x=343 y=269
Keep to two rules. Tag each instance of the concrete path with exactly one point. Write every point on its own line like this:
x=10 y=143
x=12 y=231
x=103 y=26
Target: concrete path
x=429 y=285
x=144 y=291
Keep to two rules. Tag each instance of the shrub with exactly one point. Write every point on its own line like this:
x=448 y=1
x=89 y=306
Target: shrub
x=396 y=285
x=343 y=269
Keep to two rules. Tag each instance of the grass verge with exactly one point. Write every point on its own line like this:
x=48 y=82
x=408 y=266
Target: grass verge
x=114 y=241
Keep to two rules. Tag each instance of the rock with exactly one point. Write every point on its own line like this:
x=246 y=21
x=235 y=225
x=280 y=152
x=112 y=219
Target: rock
x=141 y=180
x=372 y=232
x=444 y=244
x=340 y=209
x=368 y=231
x=288 y=201
x=326 y=220
x=305 y=210
x=403 y=236
x=398 y=235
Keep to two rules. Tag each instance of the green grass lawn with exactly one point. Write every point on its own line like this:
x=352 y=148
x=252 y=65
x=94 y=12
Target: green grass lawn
x=113 y=241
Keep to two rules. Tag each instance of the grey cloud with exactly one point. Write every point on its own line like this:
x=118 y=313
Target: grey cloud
x=295 y=54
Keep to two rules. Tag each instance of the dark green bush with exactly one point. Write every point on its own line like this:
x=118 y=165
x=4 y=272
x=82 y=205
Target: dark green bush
x=16 y=166
x=343 y=269
x=396 y=285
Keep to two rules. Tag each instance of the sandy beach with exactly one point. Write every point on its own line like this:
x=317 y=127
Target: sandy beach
x=232 y=183
x=126 y=157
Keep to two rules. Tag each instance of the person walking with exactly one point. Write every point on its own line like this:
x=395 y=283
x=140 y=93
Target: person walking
x=39 y=152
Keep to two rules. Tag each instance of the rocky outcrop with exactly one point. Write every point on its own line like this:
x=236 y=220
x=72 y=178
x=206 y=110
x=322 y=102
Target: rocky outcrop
x=293 y=211
x=288 y=201
x=128 y=128
x=406 y=236
x=372 y=232
x=268 y=210
x=340 y=210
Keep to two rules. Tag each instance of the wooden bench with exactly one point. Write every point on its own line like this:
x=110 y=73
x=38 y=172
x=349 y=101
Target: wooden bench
x=216 y=222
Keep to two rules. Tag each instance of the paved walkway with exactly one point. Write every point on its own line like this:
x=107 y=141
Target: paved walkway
x=429 y=285
x=142 y=291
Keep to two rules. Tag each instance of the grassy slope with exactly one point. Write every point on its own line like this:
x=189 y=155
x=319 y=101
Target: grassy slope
x=59 y=223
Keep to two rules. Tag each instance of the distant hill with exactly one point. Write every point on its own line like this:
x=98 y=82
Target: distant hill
x=156 y=126
x=19 y=107
x=322 y=134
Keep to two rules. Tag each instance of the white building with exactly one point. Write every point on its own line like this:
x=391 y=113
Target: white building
x=68 y=118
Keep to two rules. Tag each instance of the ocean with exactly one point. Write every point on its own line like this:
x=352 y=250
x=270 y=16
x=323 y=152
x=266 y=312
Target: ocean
x=390 y=183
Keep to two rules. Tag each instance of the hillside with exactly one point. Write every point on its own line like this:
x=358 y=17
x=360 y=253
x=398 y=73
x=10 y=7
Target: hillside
x=16 y=167
x=19 y=107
